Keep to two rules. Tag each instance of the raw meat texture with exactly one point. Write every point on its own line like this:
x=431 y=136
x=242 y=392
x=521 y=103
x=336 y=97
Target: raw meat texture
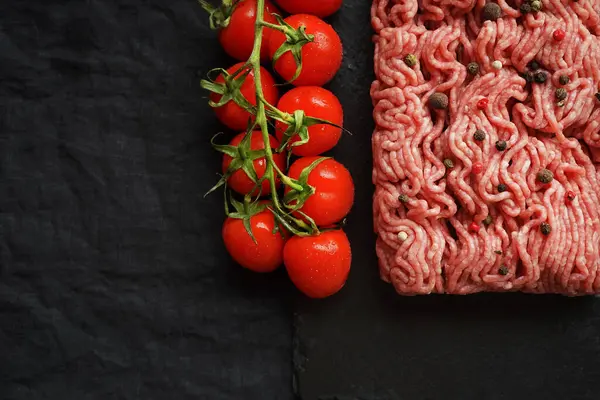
x=458 y=215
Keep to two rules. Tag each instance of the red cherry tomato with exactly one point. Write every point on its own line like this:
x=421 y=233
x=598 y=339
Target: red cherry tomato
x=321 y=59
x=320 y=8
x=318 y=265
x=334 y=190
x=263 y=256
x=232 y=115
x=239 y=181
x=319 y=103
x=237 y=38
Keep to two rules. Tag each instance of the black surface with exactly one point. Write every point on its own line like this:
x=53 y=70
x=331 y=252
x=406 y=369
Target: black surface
x=113 y=280
x=368 y=343
x=114 y=283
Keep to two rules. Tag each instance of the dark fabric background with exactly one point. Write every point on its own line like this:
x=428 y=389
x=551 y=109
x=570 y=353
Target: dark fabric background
x=114 y=283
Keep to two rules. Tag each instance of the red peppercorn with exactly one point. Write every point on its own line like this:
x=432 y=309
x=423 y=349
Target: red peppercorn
x=558 y=35
x=477 y=168
x=482 y=104
x=570 y=196
x=474 y=227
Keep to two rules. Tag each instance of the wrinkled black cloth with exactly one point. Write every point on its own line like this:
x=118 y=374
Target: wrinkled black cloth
x=114 y=283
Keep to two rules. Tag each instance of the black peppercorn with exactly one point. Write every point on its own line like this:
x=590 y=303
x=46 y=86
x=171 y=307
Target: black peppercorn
x=479 y=135
x=563 y=79
x=438 y=101
x=534 y=65
x=545 y=228
x=501 y=145
x=473 y=68
x=403 y=198
x=545 y=176
x=525 y=8
x=503 y=270
x=528 y=76
x=540 y=77
x=502 y=188
x=560 y=94
x=491 y=12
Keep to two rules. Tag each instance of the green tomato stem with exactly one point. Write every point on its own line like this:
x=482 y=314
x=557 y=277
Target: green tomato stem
x=261 y=118
x=273 y=26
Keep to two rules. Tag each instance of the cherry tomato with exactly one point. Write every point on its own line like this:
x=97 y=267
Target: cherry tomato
x=334 y=190
x=319 y=103
x=237 y=38
x=318 y=265
x=234 y=116
x=321 y=59
x=263 y=256
x=239 y=181
x=320 y=8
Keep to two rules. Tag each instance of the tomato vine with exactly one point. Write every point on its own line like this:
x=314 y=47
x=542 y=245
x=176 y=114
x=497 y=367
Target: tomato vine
x=287 y=210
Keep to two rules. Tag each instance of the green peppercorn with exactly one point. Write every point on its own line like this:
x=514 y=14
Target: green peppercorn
x=403 y=198
x=540 y=77
x=536 y=6
x=525 y=8
x=502 y=188
x=534 y=65
x=545 y=228
x=501 y=145
x=503 y=270
x=479 y=135
x=560 y=94
x=488 y=220
x=545 y=176
x=410 y=60
x=563 y=79
x=448 y=163
x=473 y=68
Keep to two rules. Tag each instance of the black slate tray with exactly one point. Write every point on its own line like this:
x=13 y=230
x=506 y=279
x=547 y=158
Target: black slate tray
x=369 y=343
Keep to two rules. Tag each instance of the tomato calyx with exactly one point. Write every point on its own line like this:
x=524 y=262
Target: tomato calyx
x=230 y=89
x=243 y=158
x=298 y=124
x=295 y=39
x=245 y=211
x=293 y=225
x=293 y=202
x=295 y=198
x=218 y=17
